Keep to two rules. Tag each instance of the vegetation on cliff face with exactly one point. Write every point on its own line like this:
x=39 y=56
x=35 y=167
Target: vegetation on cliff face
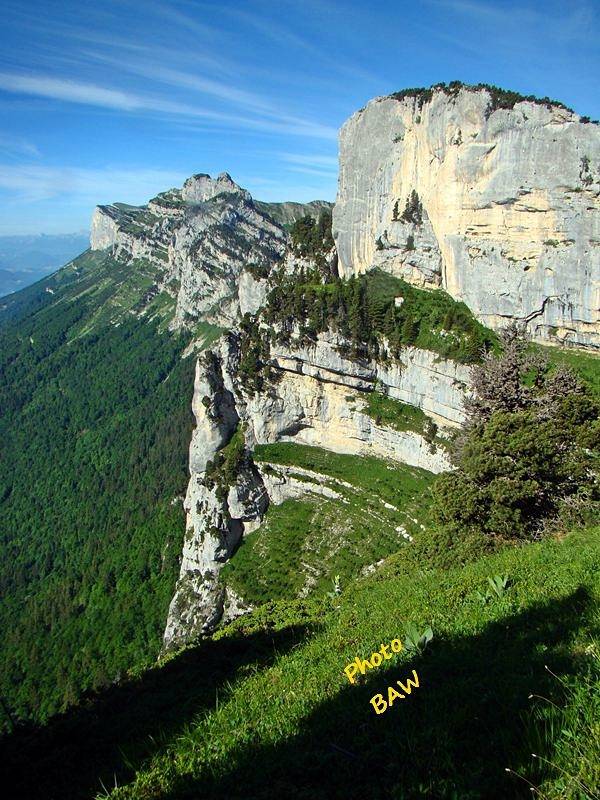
x=304 y=544
x=287 y=213
x=95 y=428
x=364 y=310
x=223 y=470
x=398 y=415
x=312 y=238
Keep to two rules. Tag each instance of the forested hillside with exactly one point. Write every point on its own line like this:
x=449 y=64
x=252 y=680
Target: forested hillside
x=95 y=427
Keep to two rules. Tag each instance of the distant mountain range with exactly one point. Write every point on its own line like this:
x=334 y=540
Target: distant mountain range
x=26 y=259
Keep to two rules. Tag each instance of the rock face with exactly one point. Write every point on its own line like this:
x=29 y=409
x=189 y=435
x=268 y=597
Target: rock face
x=215 y=519
x=316 y=397
x=501 y=208
x=420 y=378
x=287 y=213
x=210 y=243
x=200 y=188
x=211 y=249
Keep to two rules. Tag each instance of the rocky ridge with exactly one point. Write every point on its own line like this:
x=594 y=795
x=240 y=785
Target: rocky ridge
x=316 y=396
x=205 y=241
x=443 y=189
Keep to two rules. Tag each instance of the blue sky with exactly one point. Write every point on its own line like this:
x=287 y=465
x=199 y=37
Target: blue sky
x=115 y=101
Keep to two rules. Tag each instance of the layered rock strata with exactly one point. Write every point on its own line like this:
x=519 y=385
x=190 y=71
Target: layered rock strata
x=316 y=397
x=209 y=242
x=498 y=206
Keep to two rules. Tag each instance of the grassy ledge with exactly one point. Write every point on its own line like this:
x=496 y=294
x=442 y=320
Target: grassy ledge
x=303 y=544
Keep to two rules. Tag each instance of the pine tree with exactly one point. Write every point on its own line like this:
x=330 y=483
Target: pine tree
x=389 y=321
x=410 y=330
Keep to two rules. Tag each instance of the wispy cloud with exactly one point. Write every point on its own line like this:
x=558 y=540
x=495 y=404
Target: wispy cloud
x=71 y=91
x=187 y=80
x=116 y=99
x=33 y=183
x=322 y=166
x=176 y=17
x=575 y=21
x=325 y=162
x=281 y=35
x=11 y=146
x=267 y=114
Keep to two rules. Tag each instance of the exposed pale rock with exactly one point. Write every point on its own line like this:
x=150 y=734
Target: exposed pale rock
x=511 y=207
x=322 y=414
x=104 y=229
x=420 y=378
x=200 y=188
x=234 y=605
x=210 y=250
x=282 y=484
x=201 y=238
x=214 y=524
x=316 y=398
x=411 y=252
x=214 y=410
x=252 y=293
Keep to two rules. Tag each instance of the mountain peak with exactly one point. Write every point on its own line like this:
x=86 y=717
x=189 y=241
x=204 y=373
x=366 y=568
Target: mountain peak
x=201 y=187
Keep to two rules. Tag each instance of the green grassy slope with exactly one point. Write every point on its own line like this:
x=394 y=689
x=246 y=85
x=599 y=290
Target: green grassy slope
x=585 y=364
x=275 y=716
x=303 y=544
x=95 y=427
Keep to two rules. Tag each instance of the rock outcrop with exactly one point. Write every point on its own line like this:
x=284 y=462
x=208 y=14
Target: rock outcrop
x=211 y=245
x=216 y=516
x=316 y=396
x=498 y=206
x=443 y=188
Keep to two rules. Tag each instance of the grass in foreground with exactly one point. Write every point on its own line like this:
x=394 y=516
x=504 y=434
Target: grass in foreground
x=264 y=710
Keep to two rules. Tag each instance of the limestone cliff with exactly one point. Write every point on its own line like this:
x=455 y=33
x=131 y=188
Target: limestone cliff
x=209 y=243
x=498 y=206
x=315 y=396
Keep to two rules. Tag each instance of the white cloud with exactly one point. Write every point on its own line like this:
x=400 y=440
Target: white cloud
x=72 y=91
x=282 y=35
x=324 y=162
x=186 y=80
x=313 y=171
x=11 y=146
x=268 y=115
x=92 y=94
x=34 y=183
x=575 y=22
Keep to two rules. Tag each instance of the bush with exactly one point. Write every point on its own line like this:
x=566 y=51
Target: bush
x=439 y=547
x=528 y=451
